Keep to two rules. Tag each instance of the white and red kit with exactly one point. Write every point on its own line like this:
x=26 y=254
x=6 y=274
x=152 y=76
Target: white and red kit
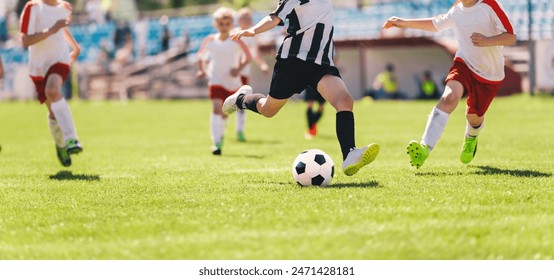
x=51 y=55
x=479 y=69
x=223 y=56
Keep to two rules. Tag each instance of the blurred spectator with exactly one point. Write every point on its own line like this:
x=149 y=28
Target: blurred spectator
x=141 y=34
x=124 y=55
x=385 y=85
x=166 y=34
x=427 y=87
x=95 y=11
x=121 y=33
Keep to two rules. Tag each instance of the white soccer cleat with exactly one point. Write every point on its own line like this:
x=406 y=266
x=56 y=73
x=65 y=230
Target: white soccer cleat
x=358 y=158
x=230 y=104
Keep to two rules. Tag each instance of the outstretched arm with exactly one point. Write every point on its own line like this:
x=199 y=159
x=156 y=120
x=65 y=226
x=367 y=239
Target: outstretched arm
x=504 y=39
x=267 y=23
x=74 y=45
x=201 y=74
x=422 y=24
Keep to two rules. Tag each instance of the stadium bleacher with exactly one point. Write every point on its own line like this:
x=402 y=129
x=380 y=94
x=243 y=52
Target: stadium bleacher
x=350 y=24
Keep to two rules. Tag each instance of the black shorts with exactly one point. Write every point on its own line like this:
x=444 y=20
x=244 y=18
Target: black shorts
x=292 y=76
x=313 y=95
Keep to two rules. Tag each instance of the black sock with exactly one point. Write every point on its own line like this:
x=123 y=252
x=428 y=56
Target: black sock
x=310 y=114
x=249 y=101
x=345 y=132
x=317 y=116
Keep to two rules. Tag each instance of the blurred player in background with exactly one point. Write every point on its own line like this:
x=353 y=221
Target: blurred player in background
x=44 y=31
x=482 y=29
x=245 y=21
x=306 y=59
x=311 y=97
x=224 y=65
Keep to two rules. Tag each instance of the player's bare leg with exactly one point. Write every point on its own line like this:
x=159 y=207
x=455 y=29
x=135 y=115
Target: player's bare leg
x=218 y=124
x=419 y=151
x=334 y=90
x=61 y=118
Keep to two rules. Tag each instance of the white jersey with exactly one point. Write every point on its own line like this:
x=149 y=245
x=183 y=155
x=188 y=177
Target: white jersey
x=38 y=16
x=252 y=45
x=310 y=31
x=223 y=56
x=488 y=18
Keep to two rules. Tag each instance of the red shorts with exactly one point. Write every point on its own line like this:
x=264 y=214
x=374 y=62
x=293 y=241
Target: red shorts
x=219 y=92
x=479 y=93
x=61 y=69
x=244 y=80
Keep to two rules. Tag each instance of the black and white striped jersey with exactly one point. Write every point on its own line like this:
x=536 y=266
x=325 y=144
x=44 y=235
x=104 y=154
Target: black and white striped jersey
x=310 y=31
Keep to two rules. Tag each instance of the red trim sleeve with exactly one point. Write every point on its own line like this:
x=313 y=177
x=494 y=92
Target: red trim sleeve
x=501 y=15
x=26 y=17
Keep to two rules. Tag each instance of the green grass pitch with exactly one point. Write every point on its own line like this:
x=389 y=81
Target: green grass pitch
x=147 y=186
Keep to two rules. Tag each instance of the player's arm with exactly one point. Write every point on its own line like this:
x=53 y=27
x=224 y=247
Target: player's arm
x=201 y=74
x=29 y=40
x=421 y=24
x=247 y=55
x=235 y=72
x=259 y=59
x=267 y=23
x=503 y=39
x=1 y=69
x=76 y=49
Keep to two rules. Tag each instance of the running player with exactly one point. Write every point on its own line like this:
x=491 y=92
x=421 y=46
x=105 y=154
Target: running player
x=245 y=21
x=305 y=59
x=44 y=29
x=223 y=70
x=482 y=29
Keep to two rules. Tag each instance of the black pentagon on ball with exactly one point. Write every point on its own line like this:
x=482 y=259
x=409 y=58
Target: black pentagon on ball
x=332 y=171
x=300 y=168
x=317 y=180
x=320 y=159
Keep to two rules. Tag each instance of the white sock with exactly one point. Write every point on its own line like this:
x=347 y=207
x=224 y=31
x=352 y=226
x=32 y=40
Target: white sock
x=216 y=123
x=65 y=120
x=56 y=133
x=473 y=131
x=241 y=120
x=223 y=126
x=435 y=126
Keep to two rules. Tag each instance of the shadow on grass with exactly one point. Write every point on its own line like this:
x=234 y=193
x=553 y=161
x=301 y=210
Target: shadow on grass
x=264 y=142
x=370 y=184
x=440 y=173
x=244 y=156
x=69 y=176
x=489 y=170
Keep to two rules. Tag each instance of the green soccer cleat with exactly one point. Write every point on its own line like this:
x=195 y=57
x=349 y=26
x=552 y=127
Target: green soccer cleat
x=63 y=156
x=358 y=158
x=241 y=137
x=469 y=148
x=418 y=153
x=73 y=146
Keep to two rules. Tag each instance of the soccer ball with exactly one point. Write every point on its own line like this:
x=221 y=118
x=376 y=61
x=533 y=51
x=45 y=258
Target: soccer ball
x=313 y=168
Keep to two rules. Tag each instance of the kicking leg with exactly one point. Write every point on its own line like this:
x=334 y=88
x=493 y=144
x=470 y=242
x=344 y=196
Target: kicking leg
x=60 y=109
x=259 y=103
x=334 y=90
x=61 y=152
x=473 y=127
x=419 y=151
